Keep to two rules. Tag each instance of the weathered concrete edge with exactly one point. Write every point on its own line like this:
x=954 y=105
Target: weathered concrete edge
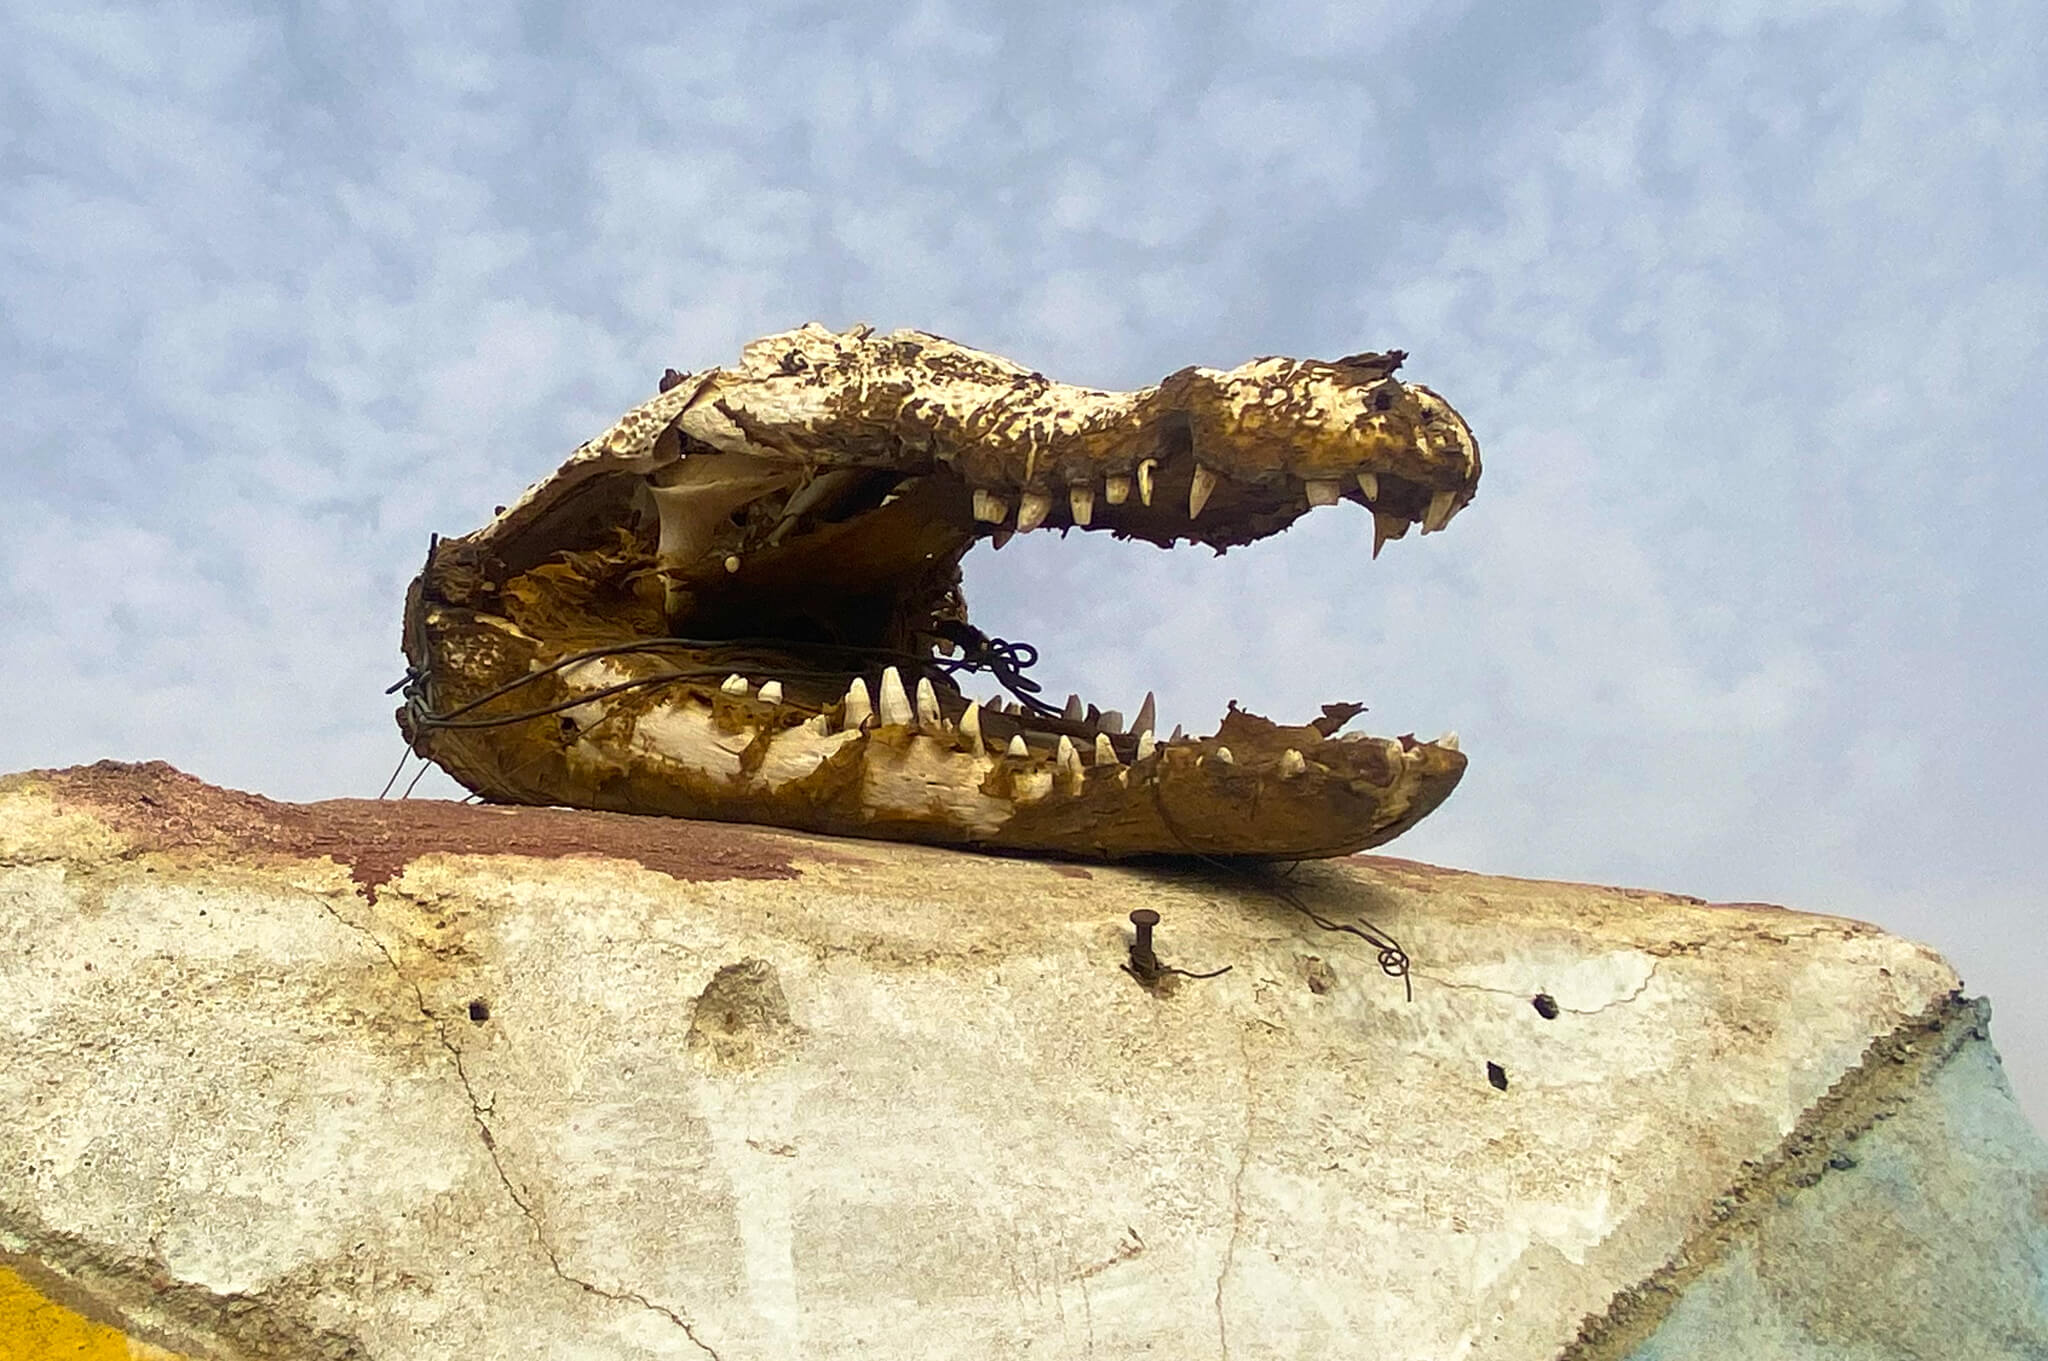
x=1890 y=1075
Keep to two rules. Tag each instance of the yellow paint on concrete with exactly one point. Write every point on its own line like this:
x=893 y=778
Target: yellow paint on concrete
x=34 y=1327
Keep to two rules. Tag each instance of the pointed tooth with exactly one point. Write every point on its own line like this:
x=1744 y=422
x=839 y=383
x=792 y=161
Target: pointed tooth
x=970 y=729
x=990 y=508
x=1000 y=537
x=1200 y=490
x=1032 y=510
x=1449 y=741
x=1081 y=501
x=859 y=709
x=929 y=717
x=1074 y=712
x=1148 y=717
x=1176 y=735
x=1292 y=763
x=1017 y=747
x=1105 y=754
x=818 y=724
x=1147 y=744
x=1146 y=467
x=1067 y=759
x=1439 y=513
x=1384 y=527
x=771 y=692
x=735 y=684
x=1324 y=491
x=1116 y=488
x=1223 y=755
x=895 y=703
x=1113 y=722
x=1369 y=485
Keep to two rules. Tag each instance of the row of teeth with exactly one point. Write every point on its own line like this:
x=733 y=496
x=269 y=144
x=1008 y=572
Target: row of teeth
x=898 y=709
x=1034 y=506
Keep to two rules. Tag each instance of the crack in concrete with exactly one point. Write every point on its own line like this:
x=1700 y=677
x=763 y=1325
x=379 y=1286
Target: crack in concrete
x=477 y=1111
x=1244 y=1157
x=1656 y=962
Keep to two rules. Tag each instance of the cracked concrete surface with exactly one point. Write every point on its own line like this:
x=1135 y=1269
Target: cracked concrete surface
x=906 y=1102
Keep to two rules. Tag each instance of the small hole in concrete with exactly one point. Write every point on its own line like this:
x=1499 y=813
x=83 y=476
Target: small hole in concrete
x=1497 y=1075
x=479 y=1010
x=1546 y=1005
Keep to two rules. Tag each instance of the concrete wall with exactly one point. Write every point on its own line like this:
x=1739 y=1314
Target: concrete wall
x=411 y=1080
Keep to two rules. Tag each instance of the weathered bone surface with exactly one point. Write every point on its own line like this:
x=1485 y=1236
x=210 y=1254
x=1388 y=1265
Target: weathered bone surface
x=743 y=601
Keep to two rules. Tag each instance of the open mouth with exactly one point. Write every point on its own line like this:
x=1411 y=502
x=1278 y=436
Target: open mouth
x=743 y=602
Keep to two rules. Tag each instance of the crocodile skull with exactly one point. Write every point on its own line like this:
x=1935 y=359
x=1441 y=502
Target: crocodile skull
x=743 y=602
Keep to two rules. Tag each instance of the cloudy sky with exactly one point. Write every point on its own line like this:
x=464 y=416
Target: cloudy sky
x=1746 y=302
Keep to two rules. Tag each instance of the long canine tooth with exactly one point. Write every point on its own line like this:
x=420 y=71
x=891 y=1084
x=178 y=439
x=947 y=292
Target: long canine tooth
x=1116 y=488
x=970 y=728
x=1449 y=741
x=735 y=684
x=1223 y=755
x=1324 y=491
x=1147 y=744
x=1074 y=712
x=1146 y=467
x=1017 y=747
x=1113 y=721
x=1105 y=754
x=1292 y=763
x=1369 y=483
x=1385 y=527
x=990 y=508
x=895 y=703
x=1081 y=501
x=1032 y=510
x=1439 y=513
x=1199 y=490
x=771 y=692
x=1148 y=717
x=929 y=719
x=859 y=709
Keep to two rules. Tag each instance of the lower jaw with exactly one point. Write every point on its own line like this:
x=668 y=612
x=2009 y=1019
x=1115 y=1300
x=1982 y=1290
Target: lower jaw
x=708 y=747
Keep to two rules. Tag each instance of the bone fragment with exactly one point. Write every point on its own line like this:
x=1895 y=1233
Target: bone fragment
x=1146 y=467
x=1449 y=741
x=1017 y=747
x=989 y=507
x=735 y=684
x=1292 y=763
x=1439 y=513
x=1199 y=490
x=896 y=712
x=771 y=692
x=1369 y=484
x=1324 y=491
x=1223 y=755
x=929 y=719
x=859 y=709
x=732 y=563
x=819 y=725
x=970 y=729
x=1032 y=510
x=1116 y=488
x=1147 y=745
x=1081 y=501
x=1148 y=717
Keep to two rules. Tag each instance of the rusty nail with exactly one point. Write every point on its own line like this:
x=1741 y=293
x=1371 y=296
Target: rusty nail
x=1141 y=949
